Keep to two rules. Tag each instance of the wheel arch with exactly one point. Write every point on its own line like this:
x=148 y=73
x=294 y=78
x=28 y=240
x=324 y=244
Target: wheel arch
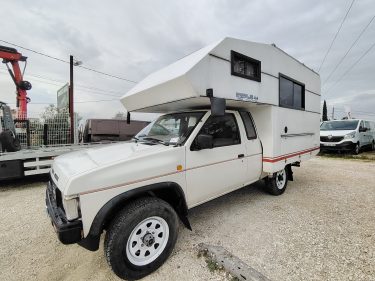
x=170 y=192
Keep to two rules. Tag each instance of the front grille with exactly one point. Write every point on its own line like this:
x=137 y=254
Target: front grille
x=57 y=195
x=332 y=139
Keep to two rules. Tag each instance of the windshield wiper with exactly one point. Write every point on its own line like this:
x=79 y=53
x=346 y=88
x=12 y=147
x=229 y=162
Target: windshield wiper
x=155 y=140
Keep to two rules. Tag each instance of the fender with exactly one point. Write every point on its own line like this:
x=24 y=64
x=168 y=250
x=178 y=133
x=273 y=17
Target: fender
x=168 y=191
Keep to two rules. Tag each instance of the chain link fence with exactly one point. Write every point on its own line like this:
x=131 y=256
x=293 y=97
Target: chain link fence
x=50 y=130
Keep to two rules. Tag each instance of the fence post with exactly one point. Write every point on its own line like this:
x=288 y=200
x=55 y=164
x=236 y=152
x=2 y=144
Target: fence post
x=28 y=133
x=45 y=134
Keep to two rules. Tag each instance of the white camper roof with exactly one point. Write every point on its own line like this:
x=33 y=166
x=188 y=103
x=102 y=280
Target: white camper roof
x=183 y=84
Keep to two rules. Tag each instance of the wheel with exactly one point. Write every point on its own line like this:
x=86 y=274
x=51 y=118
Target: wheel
x=356 y=149
x=373 y=145
x=141 y=238
x=277 y=184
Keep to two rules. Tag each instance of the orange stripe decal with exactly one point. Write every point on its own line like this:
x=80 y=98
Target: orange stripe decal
x=289 y=155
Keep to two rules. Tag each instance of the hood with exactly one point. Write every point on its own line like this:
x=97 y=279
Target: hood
x=336 y=133
x=71 y=165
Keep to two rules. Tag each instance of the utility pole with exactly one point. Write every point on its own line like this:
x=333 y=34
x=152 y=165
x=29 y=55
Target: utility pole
x=333 y=113
x=71 y=101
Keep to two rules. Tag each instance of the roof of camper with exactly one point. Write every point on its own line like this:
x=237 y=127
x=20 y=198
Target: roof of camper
x=181 y=67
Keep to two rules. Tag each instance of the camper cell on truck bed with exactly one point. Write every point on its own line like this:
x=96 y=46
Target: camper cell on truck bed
x=233 y=113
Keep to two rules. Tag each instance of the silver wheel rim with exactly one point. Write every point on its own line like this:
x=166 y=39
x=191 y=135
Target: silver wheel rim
x=280 y=179
x=147 y=241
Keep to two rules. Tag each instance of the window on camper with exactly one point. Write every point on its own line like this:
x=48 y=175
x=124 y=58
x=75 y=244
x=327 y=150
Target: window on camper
x=249 y=126
x=292 y=93
x=245 y=67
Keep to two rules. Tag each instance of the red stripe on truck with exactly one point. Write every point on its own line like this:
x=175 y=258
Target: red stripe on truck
x=286 y=156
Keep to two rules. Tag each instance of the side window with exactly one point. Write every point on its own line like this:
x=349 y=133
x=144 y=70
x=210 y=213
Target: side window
x=224 y=130
x=367 y=125
x=249 y=126
x=292 y=93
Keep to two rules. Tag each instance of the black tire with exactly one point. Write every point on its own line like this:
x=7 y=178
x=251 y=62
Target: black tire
x=125 y=224
x=357 y=149
x=273 y=184
x=8 y=142
x=373 y=145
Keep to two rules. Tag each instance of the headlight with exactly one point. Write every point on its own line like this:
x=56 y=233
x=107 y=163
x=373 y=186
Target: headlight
x=72 y=208
x=350 y=135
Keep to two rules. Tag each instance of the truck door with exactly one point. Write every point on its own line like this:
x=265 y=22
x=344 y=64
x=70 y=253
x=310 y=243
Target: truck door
x=212 y=172
x=253 y=148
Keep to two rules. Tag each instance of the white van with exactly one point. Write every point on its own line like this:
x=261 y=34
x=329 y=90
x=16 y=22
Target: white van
x=347 y=135
x=234 y=112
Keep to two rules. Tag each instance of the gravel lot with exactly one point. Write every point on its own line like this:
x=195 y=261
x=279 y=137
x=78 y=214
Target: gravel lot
x=322 y=228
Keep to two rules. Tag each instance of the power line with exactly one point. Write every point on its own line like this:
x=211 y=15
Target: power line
x=64 y=61
x=334 y=38
x=351 y=68
x=347 y=52
x=88 y=101
x=93 y=91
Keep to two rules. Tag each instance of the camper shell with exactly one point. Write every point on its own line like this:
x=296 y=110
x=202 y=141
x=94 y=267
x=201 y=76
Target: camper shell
x=289 y=132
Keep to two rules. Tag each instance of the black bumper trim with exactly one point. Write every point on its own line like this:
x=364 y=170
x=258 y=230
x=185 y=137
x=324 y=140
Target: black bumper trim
x=344 y=146
x=67 y=232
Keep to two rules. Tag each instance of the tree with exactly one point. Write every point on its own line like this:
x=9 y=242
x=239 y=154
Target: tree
x=325 y=116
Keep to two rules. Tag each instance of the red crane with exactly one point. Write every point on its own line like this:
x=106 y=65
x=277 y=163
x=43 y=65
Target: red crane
x=12 y=56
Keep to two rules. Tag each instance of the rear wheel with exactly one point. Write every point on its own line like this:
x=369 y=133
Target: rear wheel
x=141 y=238
x=276 y=185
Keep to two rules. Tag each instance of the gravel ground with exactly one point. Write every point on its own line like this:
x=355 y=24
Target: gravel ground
x=322 y=228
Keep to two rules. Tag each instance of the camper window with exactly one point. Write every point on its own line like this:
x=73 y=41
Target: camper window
x=245 y=67
x=249 y=126
x=292 y=93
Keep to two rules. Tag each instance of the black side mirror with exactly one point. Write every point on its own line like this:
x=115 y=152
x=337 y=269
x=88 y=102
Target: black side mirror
x=204 y=141
x=362 y=129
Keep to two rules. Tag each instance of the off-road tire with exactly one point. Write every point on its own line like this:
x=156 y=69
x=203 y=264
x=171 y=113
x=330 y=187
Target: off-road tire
x=122 y=227
x=272 y=183
x=8 y=142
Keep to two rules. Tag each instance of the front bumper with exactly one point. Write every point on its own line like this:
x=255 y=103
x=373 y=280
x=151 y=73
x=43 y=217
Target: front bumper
x=342 y=146
x=67 y=232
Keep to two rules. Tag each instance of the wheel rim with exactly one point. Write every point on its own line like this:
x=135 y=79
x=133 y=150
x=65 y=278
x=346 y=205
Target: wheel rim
x=280 y=179
x=147 y=241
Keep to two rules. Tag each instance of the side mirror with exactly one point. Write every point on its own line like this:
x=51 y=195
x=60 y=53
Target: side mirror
x=218 y=106
x=204 y=141
x=362 y=129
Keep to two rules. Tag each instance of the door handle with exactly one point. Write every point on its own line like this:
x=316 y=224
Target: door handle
x=241 y=155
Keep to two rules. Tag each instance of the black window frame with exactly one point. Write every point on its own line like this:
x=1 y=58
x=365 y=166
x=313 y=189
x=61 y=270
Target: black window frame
x=294 y=81
x=192 y=146
x=252 y=123
x=258 y=64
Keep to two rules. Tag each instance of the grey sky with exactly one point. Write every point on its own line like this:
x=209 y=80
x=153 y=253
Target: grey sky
x=133 y=38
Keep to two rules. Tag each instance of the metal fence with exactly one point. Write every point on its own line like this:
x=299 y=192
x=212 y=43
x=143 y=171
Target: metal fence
x=50 y=130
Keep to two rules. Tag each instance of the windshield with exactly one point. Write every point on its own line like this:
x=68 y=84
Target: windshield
x=170 y=128
x=339 y=125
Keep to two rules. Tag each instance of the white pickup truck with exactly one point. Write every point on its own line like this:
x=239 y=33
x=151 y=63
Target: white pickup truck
x=230 y=119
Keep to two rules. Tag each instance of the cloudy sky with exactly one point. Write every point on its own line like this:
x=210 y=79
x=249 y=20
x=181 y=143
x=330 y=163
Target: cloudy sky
x=131 y=39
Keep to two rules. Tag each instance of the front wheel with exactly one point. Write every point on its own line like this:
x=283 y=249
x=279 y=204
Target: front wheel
x=356 y=149
x=276 y=185
x=141 y=238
